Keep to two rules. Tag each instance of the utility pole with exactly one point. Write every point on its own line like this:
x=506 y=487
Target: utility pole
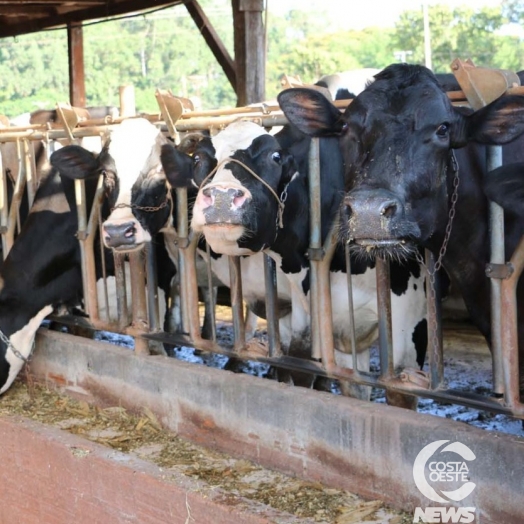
x=427 y=35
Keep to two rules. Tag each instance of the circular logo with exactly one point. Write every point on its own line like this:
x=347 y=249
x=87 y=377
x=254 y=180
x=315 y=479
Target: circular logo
x=442 y=470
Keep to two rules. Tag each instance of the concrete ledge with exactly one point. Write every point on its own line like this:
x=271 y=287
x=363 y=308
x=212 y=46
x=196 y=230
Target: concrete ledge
x=49 y=476
x=366 y=448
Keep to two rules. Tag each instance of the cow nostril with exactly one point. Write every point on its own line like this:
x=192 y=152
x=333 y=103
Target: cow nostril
x=130 y=231
x=207 y=192
x=239 y=198
x=389 y=210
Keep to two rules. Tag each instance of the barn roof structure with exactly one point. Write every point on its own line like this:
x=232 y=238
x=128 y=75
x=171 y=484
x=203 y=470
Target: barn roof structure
x=245 y=71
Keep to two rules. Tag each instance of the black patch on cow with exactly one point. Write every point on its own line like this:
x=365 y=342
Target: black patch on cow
x=401 y=273
x=4 y=365
x=420 y=340
x=306 y=283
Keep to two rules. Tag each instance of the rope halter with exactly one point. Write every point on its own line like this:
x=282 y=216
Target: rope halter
x=280 y=201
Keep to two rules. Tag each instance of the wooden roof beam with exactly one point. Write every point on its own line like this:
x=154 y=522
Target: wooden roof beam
x=102 y=11
x=213 y=41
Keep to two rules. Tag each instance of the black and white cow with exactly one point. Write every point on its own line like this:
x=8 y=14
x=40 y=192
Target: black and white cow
x=42 y=271
x=245 y=175
x=398 y=138
x=142 y=202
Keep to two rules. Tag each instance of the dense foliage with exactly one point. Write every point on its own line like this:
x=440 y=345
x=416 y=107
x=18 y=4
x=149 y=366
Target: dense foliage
x=165 y=50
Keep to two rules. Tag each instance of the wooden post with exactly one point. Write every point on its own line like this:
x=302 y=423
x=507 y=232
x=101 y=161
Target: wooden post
x=250 y=50
x=75 y=47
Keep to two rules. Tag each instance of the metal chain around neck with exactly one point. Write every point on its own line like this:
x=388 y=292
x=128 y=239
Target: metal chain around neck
x=431 y=273
x=449 y=225
x=280 y=201
x=15 y=351
x=147 y=209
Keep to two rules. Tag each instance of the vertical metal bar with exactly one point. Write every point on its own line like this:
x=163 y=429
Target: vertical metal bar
x=15 y=203
x=315 y=243
x=121 y=294
x=510 y=335
x=237 y=309
x=496 y=227
x=211 y=294
x=4 y=207
x=434 y=315
x=351 y=318
x=81 y=213
x=86 y=237
x=182 y=229
x=152 y=289
x=30 y=175
x=138 y=297
x=189 y=283
x=385 y=338
x=273 y=334
x=104 y=269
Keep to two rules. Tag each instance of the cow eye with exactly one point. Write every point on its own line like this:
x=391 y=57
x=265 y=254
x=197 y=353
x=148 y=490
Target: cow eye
x=276 y=157
x=443 y=130
x=196 y=159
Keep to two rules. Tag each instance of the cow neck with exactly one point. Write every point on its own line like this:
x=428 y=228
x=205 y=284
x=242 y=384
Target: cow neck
x=16 y=353
x=449 y=225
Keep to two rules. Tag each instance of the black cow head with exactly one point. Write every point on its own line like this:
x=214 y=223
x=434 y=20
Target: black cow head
x=241 y=174
x=397 y=139
x=134 y=181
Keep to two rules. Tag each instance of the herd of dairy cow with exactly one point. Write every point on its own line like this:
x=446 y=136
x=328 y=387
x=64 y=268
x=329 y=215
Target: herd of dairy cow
x=389 y=167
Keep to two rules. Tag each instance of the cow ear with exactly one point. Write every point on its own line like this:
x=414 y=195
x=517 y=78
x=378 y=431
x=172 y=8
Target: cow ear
x=499 y=122
x=505 y=186
x=311 y=112
x=178 y=166
x=74 y=162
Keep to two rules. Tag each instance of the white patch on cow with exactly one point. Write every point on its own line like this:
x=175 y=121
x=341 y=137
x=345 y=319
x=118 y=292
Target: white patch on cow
x=135 y=148
x=22 y=341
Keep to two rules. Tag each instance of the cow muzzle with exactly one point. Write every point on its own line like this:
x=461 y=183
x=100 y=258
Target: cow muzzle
x=121 y=236
x=376 y=218
x=221 y=205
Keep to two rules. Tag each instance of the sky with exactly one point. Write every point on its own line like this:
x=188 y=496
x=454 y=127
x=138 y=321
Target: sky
x=357 y=14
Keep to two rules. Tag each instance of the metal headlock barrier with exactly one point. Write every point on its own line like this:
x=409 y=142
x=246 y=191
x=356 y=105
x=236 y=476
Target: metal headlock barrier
x=479 y=87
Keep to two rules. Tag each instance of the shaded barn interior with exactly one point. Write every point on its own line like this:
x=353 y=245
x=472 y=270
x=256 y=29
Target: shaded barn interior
x=245 y=71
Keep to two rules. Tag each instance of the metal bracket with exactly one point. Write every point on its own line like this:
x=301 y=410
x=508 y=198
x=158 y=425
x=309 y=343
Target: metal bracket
x=482 y=85
x=70 y=116
x=500 y=271
x=172 y=108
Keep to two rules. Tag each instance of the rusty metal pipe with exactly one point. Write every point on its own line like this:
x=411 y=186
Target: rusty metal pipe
x=273 y=334
x=139 y=302
x=385 y=338
x=152 y=289
x=4 y=207
x=315 y=245
x=496 y=226
x=351 y=309
x=235 y=283
x=121 y=291
x=510 y=335
x=18 y=193
x=434 y=315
